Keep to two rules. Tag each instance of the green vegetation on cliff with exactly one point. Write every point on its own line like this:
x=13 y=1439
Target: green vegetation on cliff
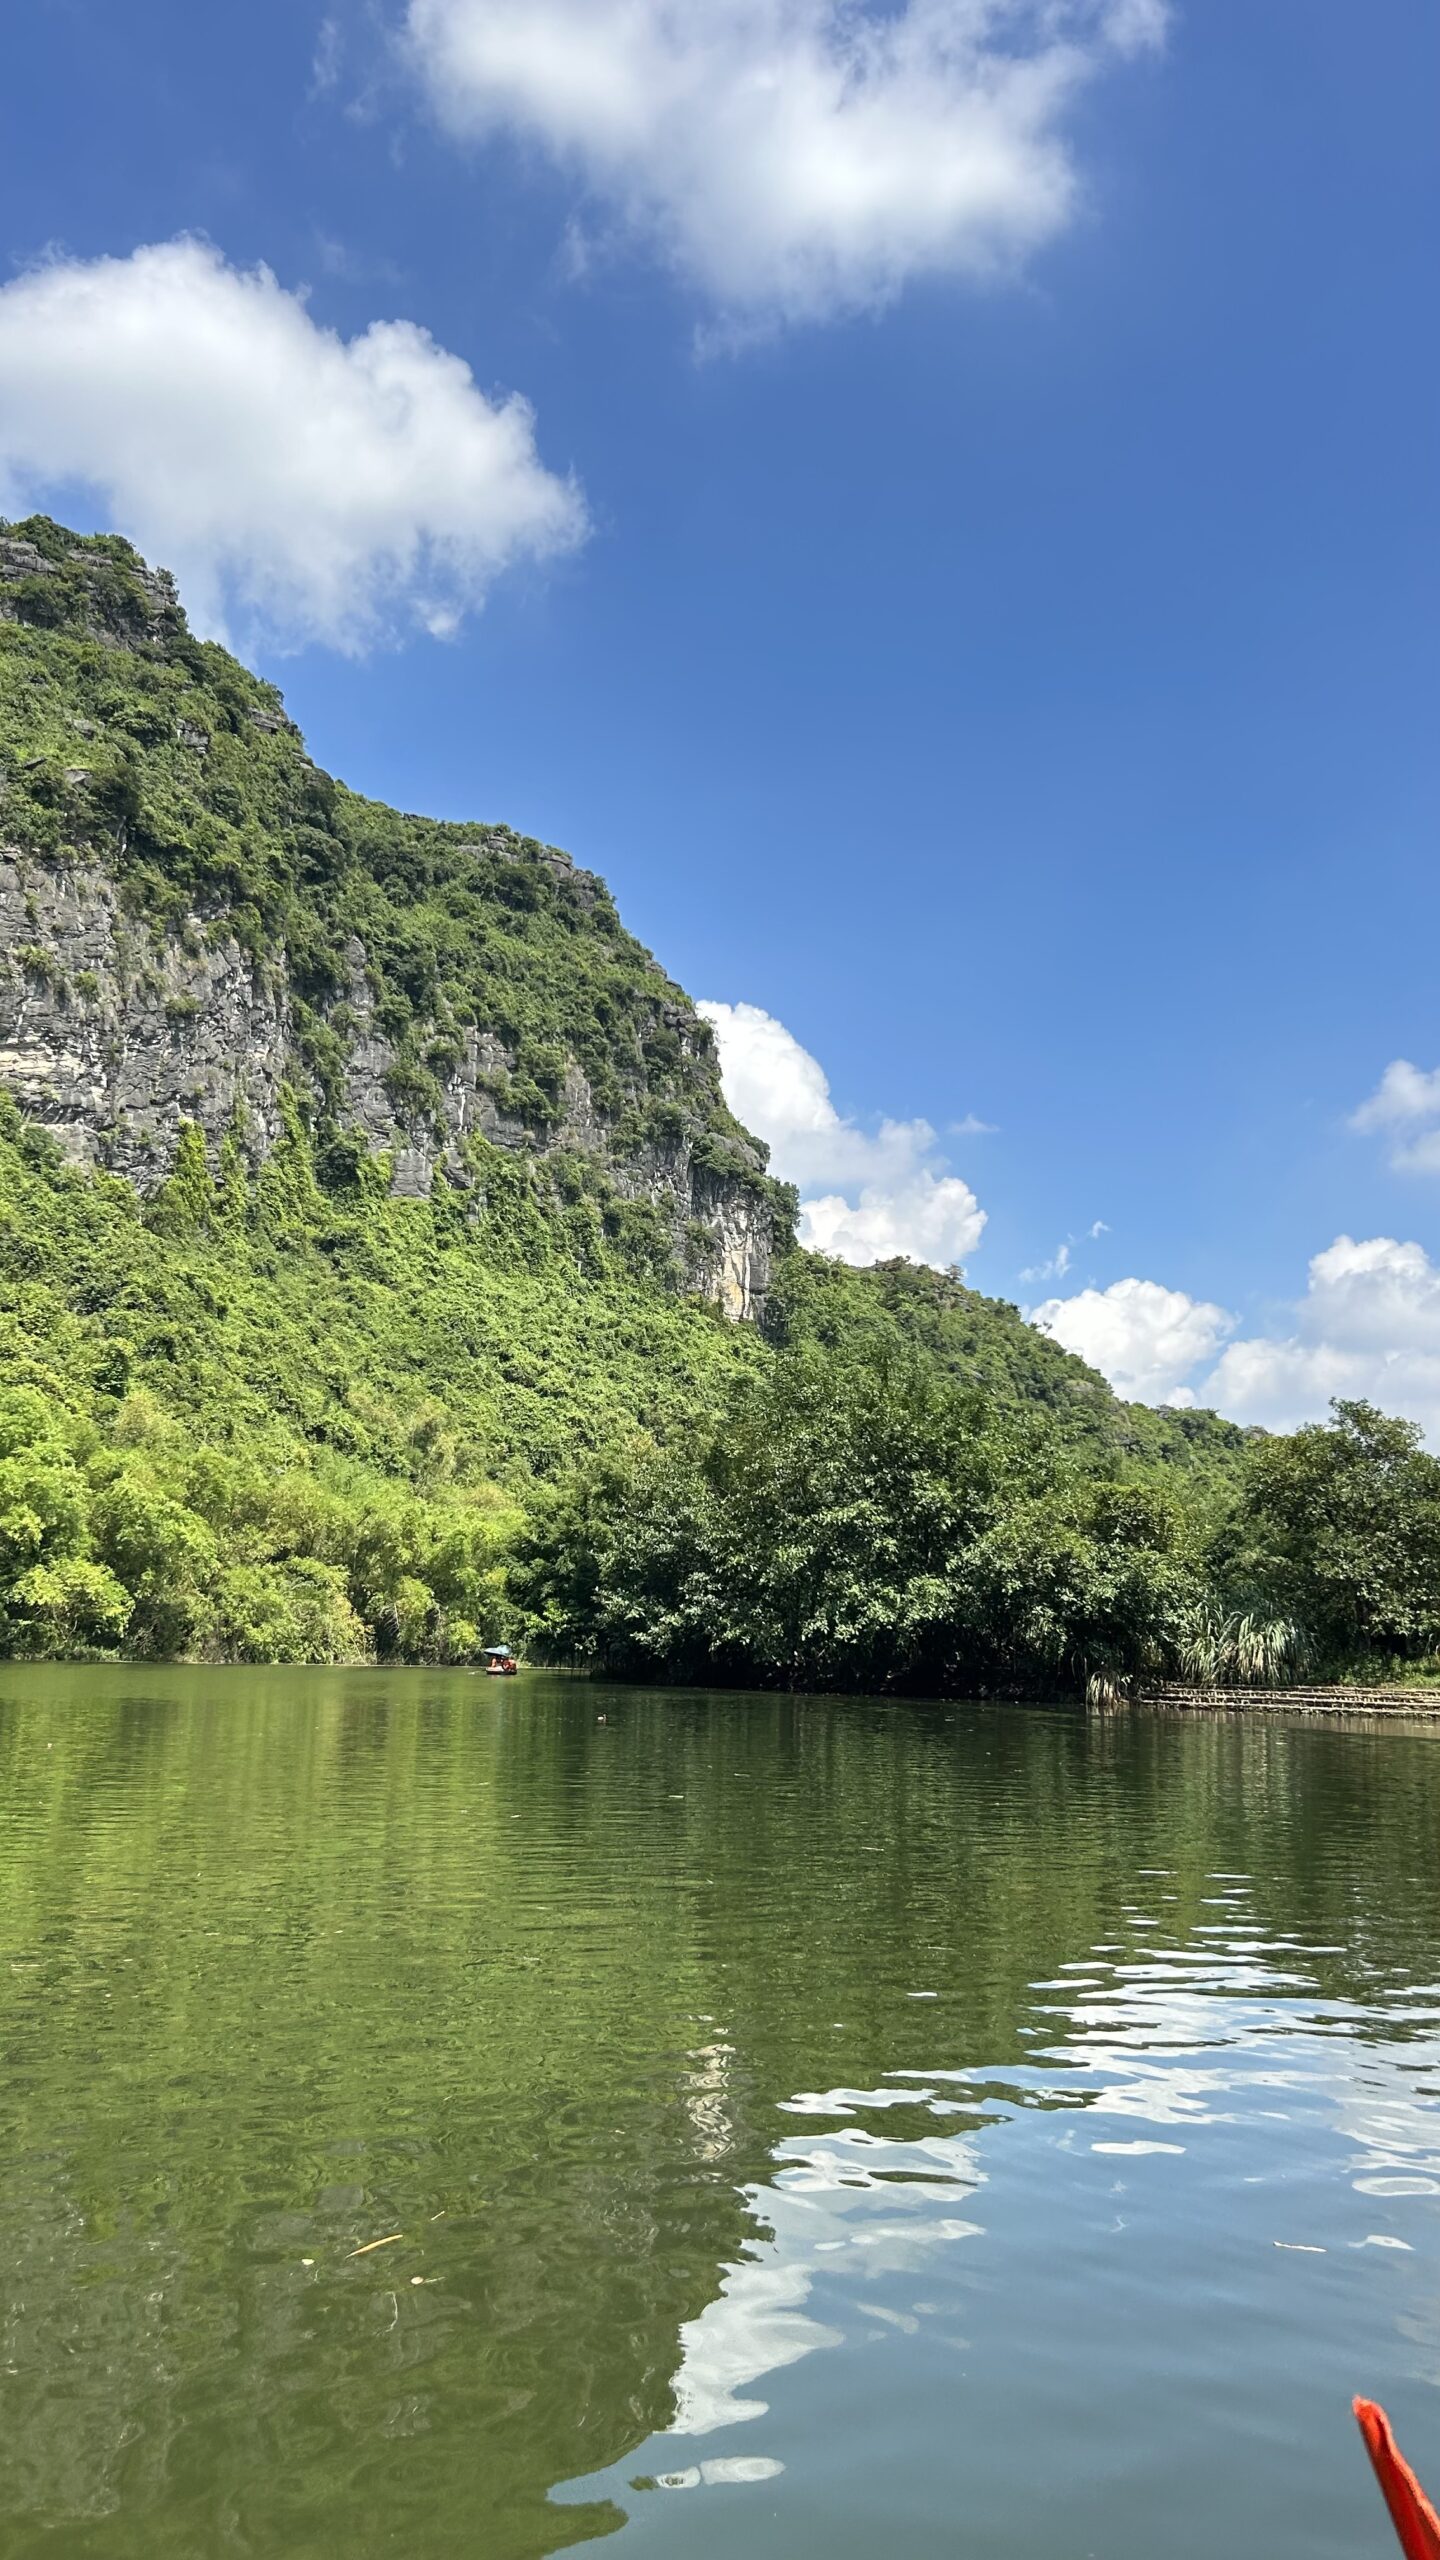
x=254 y=1421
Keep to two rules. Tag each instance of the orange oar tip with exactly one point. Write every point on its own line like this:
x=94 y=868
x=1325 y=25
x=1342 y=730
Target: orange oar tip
x=1411 y=2513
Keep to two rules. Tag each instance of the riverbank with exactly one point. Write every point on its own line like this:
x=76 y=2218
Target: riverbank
x=1336 y=1700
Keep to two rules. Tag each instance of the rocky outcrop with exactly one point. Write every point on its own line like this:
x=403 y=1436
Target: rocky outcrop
x=112 y=1041
x=740 y=1221
x=114 y=1038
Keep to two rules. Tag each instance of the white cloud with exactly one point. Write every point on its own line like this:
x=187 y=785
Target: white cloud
x=1369 y=1325
x=1063 y=1255
x=1404 y=1093
x=1054 y=1269
x=1143 y=1338
x=1404 y=1101
x=779 y=1090
x=903 y=1199
x=327 y=58
x=794 y=157
x=320 y=488
x=930 y=1217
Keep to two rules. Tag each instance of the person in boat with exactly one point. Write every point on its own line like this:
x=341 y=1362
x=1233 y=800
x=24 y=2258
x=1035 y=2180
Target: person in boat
x=500 y=1661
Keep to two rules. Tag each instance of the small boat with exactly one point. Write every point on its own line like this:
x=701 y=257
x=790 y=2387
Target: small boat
x=1411 y=2513
x=500 y=1662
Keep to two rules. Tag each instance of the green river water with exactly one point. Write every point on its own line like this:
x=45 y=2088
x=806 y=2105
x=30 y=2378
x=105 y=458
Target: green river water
x=814 y=2128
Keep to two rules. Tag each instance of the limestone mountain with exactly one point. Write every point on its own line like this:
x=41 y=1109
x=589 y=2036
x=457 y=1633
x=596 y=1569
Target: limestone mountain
x=197 y=919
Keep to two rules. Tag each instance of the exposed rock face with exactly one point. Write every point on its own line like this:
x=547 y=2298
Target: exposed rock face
x=113 y=1040
x=741 y=1225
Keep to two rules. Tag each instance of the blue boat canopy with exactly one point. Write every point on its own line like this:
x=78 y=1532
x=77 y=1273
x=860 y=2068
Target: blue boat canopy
x=498 y=1652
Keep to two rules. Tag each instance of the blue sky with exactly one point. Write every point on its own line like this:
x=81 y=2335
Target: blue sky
x=968 y=578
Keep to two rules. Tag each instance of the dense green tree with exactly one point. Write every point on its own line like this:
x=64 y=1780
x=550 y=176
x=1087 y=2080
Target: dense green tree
x=856 y=1520
x=64 y=1608
x=1339 y=1526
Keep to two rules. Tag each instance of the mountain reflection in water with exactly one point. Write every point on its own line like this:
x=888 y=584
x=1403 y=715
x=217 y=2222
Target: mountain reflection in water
x=982 y=2128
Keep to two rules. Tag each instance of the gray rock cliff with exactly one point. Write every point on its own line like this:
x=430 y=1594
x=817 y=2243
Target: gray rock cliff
x=114 y=1038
